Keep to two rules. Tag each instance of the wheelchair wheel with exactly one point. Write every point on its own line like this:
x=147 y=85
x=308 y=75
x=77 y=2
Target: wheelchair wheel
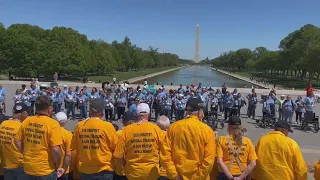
x=304 y=125
x=316 y=126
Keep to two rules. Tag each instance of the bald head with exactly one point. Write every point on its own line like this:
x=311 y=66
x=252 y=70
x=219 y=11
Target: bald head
x=163 y=122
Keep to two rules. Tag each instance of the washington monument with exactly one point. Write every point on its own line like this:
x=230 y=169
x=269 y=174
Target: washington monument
x=196 y=58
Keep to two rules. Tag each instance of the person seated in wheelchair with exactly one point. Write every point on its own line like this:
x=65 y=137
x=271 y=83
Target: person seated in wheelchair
x=214 y=104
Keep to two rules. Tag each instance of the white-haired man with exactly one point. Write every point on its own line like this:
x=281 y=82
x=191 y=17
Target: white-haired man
x=64 y=171
x=163 y=122
x=139 y=147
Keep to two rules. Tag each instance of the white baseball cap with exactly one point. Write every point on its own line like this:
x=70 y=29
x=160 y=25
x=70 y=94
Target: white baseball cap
x=65 y=86
x=61 y=117
x=143 y=108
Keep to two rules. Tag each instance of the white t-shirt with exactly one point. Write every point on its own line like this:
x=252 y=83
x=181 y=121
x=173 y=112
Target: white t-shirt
x=114 y=79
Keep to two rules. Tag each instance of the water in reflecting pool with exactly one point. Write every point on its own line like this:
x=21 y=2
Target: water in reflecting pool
x=196 y=74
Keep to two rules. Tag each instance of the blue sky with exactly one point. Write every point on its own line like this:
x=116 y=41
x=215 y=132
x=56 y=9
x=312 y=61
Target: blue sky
x=170 y=25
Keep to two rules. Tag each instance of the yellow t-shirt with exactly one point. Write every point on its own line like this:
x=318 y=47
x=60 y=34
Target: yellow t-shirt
x=279 y=157
x=119 y=169
x=66 y=146
x=189 y=149
x=95 y=141
x=316 y=173
x=39 y=133
x=9 y=154
x=163 y=171
x=139 y=145
x=246 y=154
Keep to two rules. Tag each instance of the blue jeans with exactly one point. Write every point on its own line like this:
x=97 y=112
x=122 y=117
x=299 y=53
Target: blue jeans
x=287 y=116
x=52 y=176
x=103 y=175
x=167 y=112
x=56 y=107
x=70 y=108
x=180 y=114
x=83 y=111
x=14 y=174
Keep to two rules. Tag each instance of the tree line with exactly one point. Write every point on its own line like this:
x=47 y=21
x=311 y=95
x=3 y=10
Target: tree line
x=29 y=51
x=298 y=56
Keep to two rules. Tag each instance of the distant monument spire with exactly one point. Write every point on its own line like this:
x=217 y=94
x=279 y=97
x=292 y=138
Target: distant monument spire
x=196 y=58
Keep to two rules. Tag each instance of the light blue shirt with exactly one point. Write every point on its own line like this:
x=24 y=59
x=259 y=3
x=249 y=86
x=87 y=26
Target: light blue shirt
x=288 y=106
x=70 y=97
x=299 y=104
x=133 y=108
x=181 y=104
x=3 y=93
x=309 y=103
x=83 y=100
x=17 y=98
x=167 y=103
x=107 y=101
x=94 y=96
x=26 y=100
x=60 y=98
x=120 y=101
x=34 y=93
x=54 y=96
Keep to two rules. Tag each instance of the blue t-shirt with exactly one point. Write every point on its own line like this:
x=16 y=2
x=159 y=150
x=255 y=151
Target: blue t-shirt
x=26 y=100
x=54 y=96
x=167 y=103
x=181 y=104
x=3 y=93
x=214 y=100
x=17 y=98
x=229 y=101
x=288 y=106
x=94 y=96
x=107 y=101
x=120 y=101
x=60 y=98
x=82 y=100
x=309 y=103
x=133 y=108
x=34 y=93
x=299 y=104
x=70 y=97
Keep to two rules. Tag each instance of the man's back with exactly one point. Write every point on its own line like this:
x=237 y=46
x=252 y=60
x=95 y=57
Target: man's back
x=140 y=145
x=279 y=157
x=189 y=144
x=95 y=141
x=39 y=133
x=10 y=155
x=66 y=146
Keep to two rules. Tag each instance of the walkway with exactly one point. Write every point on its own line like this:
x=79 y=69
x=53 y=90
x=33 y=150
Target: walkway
x=243 y=79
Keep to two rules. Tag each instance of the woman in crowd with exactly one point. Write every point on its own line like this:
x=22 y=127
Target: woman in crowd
x=236 y=156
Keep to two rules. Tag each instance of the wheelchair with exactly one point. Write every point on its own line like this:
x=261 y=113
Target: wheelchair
x=310 y=118
x=268 y=120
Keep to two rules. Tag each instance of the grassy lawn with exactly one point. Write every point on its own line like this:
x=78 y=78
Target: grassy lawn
x=121 y=76
x=284 y=82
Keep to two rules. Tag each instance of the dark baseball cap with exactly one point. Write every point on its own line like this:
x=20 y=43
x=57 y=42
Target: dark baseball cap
x=20 y=107
x=234 y=120
x=97 y=105
x=283 y=124
x=194 y=104
x=130 y=116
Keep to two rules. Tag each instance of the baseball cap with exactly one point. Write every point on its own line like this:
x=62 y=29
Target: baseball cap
x=234 y=120
x=143 y=108
x=97 y=105
x=20 y=107
x=194 y=104
x=283 y=124
x=137 y=99
x=128 y=116
x=61 y=116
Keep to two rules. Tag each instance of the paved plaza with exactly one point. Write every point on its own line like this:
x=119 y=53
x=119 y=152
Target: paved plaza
x=308 y=141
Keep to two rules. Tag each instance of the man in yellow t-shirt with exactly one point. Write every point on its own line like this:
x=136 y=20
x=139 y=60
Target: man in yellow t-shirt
x=64 y=170
x=95 y=141
x=11 y=157
x=128 y=118
x=189 y=148
x=279 y=157
x=39 y=139
x=139 y=147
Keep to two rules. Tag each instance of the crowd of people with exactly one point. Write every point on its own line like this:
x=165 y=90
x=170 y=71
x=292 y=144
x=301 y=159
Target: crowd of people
x=35 y=145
